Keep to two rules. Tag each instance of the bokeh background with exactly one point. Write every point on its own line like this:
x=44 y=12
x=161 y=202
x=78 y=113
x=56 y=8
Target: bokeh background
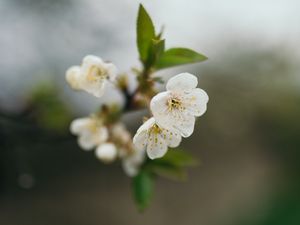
x=248 y=141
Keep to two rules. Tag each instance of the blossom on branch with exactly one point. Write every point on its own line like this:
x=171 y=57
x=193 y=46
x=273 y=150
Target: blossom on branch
x=155 y=139
x=177 y=107
x=91 y=76
x=106 y=152
x=91 y=132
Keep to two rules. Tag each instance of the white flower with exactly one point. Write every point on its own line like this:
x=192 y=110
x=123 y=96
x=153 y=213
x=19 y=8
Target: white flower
x=91 y=132
x=73 y=77
x=177 y=107
x=120 y=133
x=106 y=152
x=155 y=139
x=91 y=76
x=131 y=158
x=132 y=162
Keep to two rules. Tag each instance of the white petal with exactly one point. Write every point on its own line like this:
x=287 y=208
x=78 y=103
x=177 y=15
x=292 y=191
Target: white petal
x=94 y=88
x=140 y=140
x=132 y=163
x=130 y=169
x=147 y=125
x=73 y=77
x=106 y=152
x=111 y=71
x=185 y=125
x=90 y=60
x=119 y=132
x=90 y=139
x=182 y=82
x=173 y=138
x=196 y=102
x=159 y=104
x=78 y=125
x=101 y=135
x=86 y=142
x=156 y=147
x=176 y=119
x=160 y=111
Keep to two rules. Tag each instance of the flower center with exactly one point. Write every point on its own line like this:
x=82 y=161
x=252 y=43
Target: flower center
x=174 y=103
x=96 y=73
x=93 y=127
x=155 y=129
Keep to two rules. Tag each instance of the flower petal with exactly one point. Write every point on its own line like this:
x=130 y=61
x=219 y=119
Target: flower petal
x=90 y=60
x=111 y=71
x=140 y=140
x=196 y=101
x=86 y=142
x=185 y=126
x=132 y=163
x=94 y=88
x=73 y=77
x=78 y=125
x=173 y=138
x=182 y=82
x=106 y=152
x=159 y=109
x=147 y=125
x=176 y=119
x=101 y=135
x=156 y=147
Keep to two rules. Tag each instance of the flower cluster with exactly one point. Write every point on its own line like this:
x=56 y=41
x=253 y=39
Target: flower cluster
x=110 y=140
x=174 y=113
x=91 y=76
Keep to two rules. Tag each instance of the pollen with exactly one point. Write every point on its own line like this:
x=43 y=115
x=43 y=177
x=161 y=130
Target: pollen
x=95 y=73
x=155 y=129
x=174 y=103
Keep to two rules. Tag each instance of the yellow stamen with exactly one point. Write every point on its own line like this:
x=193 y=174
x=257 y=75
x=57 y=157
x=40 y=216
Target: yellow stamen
x=95 y=73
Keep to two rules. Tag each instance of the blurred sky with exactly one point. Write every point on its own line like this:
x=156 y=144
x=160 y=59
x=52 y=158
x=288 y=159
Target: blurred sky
x=41 y=39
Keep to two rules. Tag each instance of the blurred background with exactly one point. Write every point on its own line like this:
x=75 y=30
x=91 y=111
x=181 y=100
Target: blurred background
x=248 y=140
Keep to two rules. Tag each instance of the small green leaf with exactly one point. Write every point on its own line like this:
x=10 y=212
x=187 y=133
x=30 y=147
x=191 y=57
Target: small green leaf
x=169 y=171
x=143 y=189
x=179 y=157
x=173 y=165
x=145 y=33
x=178 y=56
x=159 y=35
x=156 y=50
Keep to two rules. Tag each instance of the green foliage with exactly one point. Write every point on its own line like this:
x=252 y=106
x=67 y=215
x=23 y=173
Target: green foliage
x=143 y=189
x=48 y=109
x=179 y=157
x=151 y=47
x=153 y=56
x=156 y=50
x=178 y=56
x=145 y=33
x=173 y=164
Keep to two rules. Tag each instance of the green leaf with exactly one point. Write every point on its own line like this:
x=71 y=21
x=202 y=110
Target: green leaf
x=145 y=33
x=179 y=157
x=143 y=189
x=156 y=50
x=159 y=35
x=172 y=165
x=169 y=171
x=178 y=56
